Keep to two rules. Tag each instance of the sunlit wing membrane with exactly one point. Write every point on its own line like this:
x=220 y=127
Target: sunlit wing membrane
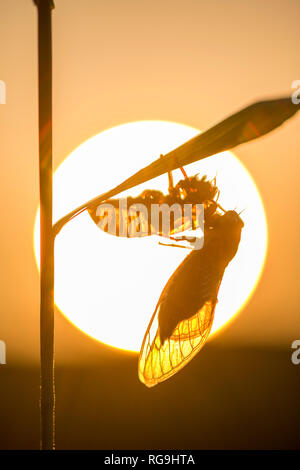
x=158 y=362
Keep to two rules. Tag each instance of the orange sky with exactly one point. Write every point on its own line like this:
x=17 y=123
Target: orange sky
x=192 y=62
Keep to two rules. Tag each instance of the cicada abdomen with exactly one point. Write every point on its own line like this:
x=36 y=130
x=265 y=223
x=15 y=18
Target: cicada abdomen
x=184 y=313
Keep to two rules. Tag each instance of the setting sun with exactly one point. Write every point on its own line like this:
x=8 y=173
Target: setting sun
x=108 y=286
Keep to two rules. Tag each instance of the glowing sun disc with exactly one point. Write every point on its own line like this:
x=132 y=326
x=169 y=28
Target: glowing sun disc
x=107 y=286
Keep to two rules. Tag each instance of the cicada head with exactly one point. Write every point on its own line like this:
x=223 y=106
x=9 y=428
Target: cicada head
x=228 y=228
x=232 y=220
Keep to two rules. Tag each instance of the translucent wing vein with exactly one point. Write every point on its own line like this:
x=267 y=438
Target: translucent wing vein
x=157 y=361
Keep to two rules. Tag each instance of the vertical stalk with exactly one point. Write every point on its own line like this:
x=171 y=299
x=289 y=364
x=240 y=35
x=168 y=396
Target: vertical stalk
x=47 y=396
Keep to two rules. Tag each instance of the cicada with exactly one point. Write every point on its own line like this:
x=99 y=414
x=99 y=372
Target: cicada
x=184 y=314
x=143 y=215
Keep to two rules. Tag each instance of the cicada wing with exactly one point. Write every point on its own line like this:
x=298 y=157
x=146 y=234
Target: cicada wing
x=157 y=361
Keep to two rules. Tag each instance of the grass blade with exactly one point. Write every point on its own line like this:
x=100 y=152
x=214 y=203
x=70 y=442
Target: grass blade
x=247 y=124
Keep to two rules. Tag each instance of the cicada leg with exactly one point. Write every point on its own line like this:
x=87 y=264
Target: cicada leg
x=184 y=173
x=220 y=207
x=193 y=241
x=175 y=246
x=171 y=182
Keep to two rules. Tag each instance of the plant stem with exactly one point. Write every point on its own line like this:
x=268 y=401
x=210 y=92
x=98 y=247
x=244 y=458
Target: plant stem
x=47 y=235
